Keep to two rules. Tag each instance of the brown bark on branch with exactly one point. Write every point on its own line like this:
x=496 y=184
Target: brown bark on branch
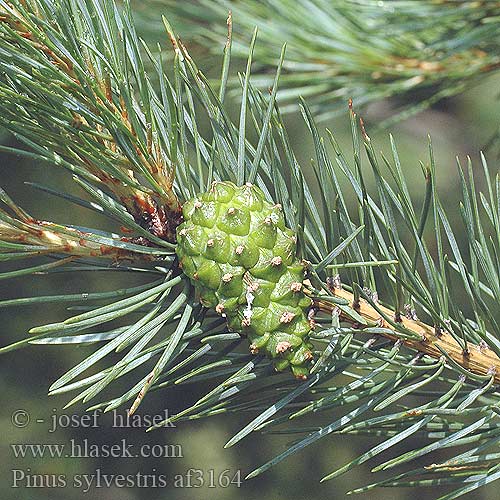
x=477 y=359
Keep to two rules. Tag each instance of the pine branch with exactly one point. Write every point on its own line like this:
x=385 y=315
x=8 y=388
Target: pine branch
x=477 y=359
x=363 y=381
x=109 y=138
x=429 y=50
x=24 y=236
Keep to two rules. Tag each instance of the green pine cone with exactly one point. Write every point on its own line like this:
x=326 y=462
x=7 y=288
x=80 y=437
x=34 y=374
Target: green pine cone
x=239 y=254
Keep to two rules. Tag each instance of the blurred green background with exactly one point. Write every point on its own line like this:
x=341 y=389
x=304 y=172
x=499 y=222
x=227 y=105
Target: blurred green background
x=459 y=126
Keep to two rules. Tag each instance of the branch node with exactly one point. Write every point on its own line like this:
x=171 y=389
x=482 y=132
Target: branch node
x=410 y=312
x=334 y=283
x=482 y=346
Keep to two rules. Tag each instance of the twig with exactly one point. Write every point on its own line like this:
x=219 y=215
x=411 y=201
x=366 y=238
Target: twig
x=477 y=359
